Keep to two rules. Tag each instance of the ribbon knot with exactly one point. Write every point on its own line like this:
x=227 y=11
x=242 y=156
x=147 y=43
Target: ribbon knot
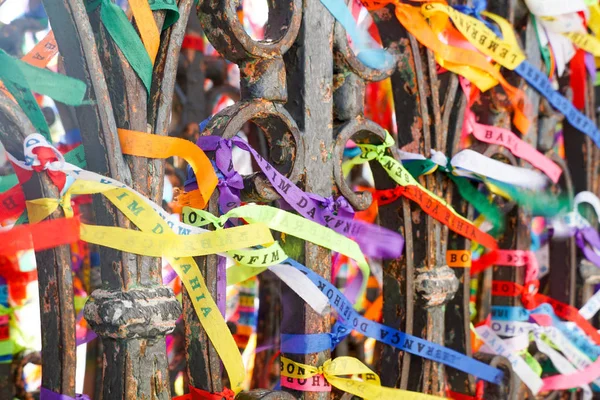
x=230 y=181
x=439 y=158
x=338 y=206
x=40 y=156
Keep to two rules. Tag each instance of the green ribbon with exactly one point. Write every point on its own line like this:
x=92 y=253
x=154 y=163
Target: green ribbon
x=17 y=85
x=76 y=157
x=170 y=6
x=126 y=38
x=539 y=203
x=21 y=79
x=8 y=182
x=59 y=87
x=543 y=49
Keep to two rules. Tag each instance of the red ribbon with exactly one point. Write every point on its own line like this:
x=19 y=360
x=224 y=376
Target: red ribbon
x=577 y=79
x=193 y=42
x=16 y=279
x=460 y=396
x=40 y=236
x=199 y=394
x=12 y=203
x=47 y=155
x=439 y=211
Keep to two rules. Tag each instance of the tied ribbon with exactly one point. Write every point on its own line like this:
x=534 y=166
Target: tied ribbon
x=250 y=263
x=47 y=394
x=231 y=182
x=429 y=202
x=40 y=156
x=463 y=61
x=417 y=167
x=521 y=368
x=570 y=376
x=199 y=394
x=178 y=250
x=374 y=241
x=157 y=237
x=532 y=299
x=332 y=370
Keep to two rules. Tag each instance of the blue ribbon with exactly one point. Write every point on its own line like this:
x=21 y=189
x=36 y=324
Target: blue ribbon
x=349 y=319
x=366 y=47
x=478 y=7
x=510 y=313
x=540 y=82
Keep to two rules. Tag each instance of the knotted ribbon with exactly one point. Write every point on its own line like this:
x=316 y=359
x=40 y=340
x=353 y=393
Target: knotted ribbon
x=369 y=388
x=374 y=241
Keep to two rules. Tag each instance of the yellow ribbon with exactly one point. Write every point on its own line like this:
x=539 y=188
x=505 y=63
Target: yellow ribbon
x=483 y=38
x=288 y=223
x=333 y=370
x=153 y=228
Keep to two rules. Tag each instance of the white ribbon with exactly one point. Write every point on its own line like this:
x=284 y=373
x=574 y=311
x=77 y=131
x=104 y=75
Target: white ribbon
x=575 y=356
x=469 y=162
x=497 y=346
x=474 y=165
x=561 y=364
x=555 y=7
x=591 y=307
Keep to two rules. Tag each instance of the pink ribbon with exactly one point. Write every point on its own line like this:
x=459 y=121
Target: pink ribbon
x=504 y=137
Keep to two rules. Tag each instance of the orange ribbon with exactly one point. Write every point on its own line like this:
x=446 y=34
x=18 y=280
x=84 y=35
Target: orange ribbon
x=154 y=146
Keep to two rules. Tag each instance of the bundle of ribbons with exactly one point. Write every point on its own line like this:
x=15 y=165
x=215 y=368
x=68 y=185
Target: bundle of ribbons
x=468 y=41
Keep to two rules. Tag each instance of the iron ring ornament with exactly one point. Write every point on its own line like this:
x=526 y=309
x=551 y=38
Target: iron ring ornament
x=360 y=130
x=226 y=33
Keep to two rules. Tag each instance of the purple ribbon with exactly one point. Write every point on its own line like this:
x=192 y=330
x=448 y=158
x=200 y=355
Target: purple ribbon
x=589 y=236
x=222 y=285
x=46 y=394
x=374 y=241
